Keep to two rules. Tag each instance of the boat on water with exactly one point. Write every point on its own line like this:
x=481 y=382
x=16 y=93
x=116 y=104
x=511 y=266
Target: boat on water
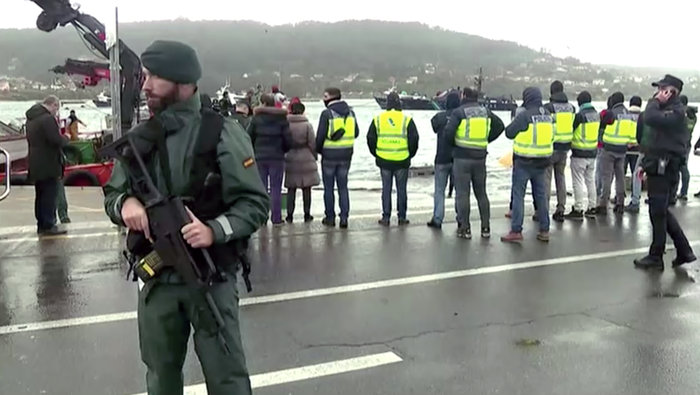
x=410 y=102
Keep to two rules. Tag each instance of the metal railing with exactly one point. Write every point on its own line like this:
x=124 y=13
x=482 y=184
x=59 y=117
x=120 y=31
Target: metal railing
x=8 y=162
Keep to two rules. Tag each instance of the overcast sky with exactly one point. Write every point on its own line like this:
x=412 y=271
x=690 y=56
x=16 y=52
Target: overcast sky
x=600 y=31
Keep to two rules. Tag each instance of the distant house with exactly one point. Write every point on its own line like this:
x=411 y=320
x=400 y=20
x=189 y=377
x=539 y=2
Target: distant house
x=412 y=80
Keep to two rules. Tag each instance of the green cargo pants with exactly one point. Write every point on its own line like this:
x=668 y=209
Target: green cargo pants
x=165 y=313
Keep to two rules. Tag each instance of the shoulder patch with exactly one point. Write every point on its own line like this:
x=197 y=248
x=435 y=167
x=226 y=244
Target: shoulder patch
x=248 y=162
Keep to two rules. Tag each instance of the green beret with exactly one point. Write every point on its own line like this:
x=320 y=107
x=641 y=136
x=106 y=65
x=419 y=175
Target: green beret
x=173 y=61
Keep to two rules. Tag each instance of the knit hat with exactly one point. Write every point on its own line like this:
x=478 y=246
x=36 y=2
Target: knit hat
x=635 y=101
x=583 y=98
x=393 y=101
x=452 y=100
x=616 y=98
x=173 y=61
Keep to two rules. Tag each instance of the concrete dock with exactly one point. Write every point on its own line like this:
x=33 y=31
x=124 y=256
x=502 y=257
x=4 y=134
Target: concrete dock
x=369 y=310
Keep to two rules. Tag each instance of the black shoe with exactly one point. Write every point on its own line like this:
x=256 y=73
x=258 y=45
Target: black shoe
x=308 y=218
x=590 y=213
x=619 y=209
x=328 y=222
x=464 y=233
x=650 y=262
x=434 y=225
x=404 y=222
x=534 y=217
x=575 y=215
x=602 y=210
x=558 y=216
x=67 y=220
x=289 y=219
x=672 y=201
x=384 y=222
x=54 y=231
x=697 y=195
x=682 y=260
x=485 y=232
x=680 y=197
x=632 y=208
x=343 y=224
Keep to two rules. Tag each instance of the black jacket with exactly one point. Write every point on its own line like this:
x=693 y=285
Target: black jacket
x=578 y=120
x=412 y=147
x=609 y=118
x=456 y=118
x=45 y=143
x=269 y=133
x=340 y=155
x=669 y=133
x=561 y=98
x=243 y=119
x=444 y=150
x=532 y=105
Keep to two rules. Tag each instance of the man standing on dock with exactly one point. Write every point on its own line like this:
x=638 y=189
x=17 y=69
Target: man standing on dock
x=532 y=132
x=665 y=153
x=393 y=140
x=335 y=139
x=563 y=113
x=618 y=128
x=584 y=146
x=470 y=129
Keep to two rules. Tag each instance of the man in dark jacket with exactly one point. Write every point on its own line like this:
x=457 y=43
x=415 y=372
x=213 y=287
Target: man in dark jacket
x=691 y=119
x=563 y=113
x=532 y=154
x=667 y=149
x=393 y=140
x=45 y=162
x=335 y=139
x=269 y=133
x=633 y=158
x=443 y=159
x=470 y=129
x=225 y=105
x=616 y=131
x=584 y=148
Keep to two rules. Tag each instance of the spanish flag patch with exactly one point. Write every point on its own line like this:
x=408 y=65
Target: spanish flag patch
x=248 y=162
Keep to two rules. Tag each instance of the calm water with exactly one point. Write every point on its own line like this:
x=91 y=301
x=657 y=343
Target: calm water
x=364 y=173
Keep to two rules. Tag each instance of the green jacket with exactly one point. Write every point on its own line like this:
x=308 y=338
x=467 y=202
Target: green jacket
x=248 y=202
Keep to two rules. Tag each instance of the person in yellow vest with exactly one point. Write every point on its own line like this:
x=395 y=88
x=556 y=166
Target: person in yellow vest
x=532 y=132
x=563 y=113
x=393 y=140
x=470 y=129
x=335 y=138
x=584 y=146
x=617 y=129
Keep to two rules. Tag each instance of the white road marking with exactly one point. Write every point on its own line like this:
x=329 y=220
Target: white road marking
x=309 y=372
x=12 y=230
x=59 y=237
x=343 y=289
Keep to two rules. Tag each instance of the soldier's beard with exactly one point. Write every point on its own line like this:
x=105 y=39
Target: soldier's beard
x=158 y=103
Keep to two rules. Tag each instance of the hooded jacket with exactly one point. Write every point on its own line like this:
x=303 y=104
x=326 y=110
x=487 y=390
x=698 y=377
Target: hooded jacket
x=451 y=132
x=669 y=135
x=269 y=133
x=580 y=118
x=608 y=119
x=559 y=97
x=412 y=147
x=532 y=105
x=438 y=122
x=45 y=143
x=339 y=155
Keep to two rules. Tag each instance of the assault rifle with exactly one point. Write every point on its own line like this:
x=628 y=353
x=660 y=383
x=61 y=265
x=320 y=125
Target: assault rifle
x=166 y=217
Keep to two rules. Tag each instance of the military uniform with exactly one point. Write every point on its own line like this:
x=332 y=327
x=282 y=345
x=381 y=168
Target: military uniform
x=167 y=306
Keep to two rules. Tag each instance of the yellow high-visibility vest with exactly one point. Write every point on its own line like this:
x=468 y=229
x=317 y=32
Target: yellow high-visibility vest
x=473 y=131
x=622 y=131
x=538 y=140
x=586 y=133
x=335 y=123
x=564 y=122
x=392 y=136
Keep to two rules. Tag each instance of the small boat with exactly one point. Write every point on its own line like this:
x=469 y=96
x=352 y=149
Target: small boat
x=102 y=100
x=409 y=102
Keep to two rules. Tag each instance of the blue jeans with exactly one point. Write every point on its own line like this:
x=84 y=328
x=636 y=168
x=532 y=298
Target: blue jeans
x=442 y=174
x=336 y=173
x=521 y=175
x=636 y=182
x=272 y=174
x=598 y=174
x=685 y=179
x=388 y=176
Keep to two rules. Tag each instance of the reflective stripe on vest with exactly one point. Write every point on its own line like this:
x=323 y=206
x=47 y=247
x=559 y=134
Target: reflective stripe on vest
x=564 y=122
x=337 y=122
x=537 y=141
x=392 y=136
x=621 y=132
x=586 y=133
x=473 y=131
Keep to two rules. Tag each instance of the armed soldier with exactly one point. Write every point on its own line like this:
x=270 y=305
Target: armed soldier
x=193 y=153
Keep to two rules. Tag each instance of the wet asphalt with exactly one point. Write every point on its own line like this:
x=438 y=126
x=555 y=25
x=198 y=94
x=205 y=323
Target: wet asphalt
x=582 y=326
